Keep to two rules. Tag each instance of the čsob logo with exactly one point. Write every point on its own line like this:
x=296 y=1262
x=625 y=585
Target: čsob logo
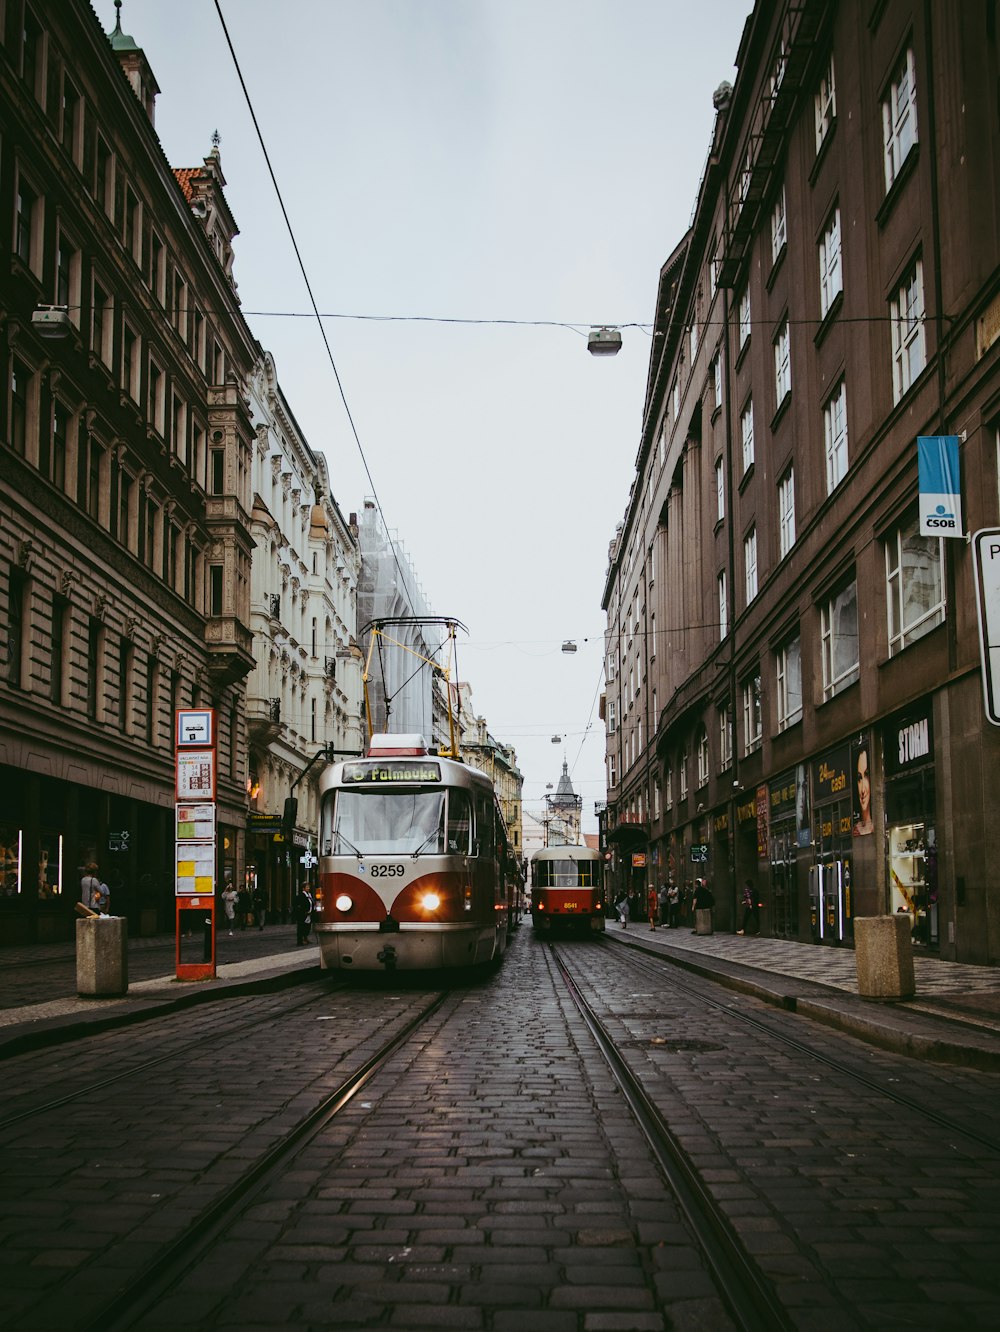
x=941 y=518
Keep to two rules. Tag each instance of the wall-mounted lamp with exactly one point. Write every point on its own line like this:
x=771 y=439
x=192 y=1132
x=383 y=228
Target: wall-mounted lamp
x=604 y=342
x=51 y=321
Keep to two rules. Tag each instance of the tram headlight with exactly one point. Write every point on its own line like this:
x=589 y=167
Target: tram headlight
x=343 y=903
x=430 y=901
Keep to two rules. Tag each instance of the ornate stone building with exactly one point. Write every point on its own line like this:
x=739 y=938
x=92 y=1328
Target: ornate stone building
x=306 y=690
x=125 y=460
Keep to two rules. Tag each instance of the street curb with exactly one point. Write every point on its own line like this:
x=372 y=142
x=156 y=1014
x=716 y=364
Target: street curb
x=879 y=1025
x=52 y=1031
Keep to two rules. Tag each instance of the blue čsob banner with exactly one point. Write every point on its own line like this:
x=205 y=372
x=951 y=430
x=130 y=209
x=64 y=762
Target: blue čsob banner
x=940 y=475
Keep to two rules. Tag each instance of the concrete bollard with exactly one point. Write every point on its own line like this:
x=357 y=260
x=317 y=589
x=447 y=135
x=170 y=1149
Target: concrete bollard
x=101 y=956
x=703 y=920
x=883 y=954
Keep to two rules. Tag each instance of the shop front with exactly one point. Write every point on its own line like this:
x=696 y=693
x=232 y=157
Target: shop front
x=789 y=829
x=831 y=908
x=911 y=823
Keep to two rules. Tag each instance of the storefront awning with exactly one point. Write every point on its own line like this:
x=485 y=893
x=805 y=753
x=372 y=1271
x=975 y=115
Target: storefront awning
x=628 y=835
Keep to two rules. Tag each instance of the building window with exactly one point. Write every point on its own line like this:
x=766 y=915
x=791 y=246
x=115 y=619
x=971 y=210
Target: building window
x=835 y=437
x=27 y=225
x=725 y=737
x=899 y=118
x=782 y=365
x=839 y=639
x=720 y=491
x=744 y=318
x=717 y=384
x=17 y=612
x=906 y=311
x=102 y=323
x=124 y=683
x=104 y=176
x=831 y=275
x=612 y=770
x=215 y=593
x=788 y=673
x=675 y=400
x=826 y=105
x=178 y=430
x=95 y=667
x=723 y=606
x=914 y=573
x=752 y=724
x=693 y=341
x=746 y=435
x=702 y=757
x=67 y=289
x=612 y=715
x=91 y=457
x=132 y=225
x=668 y=787
x=157 y=268
x=786 y=512
x=682 y=775
x=779 y=229
x=130 y=362
x=21 y=402
x=750 y=564
x=52 y=448
x=57 y=657
x=152 y=697
x=155 y=404
x=31 y=51
x=125 y=508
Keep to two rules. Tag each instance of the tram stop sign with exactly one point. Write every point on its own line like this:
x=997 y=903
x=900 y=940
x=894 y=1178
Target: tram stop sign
x=986 y=553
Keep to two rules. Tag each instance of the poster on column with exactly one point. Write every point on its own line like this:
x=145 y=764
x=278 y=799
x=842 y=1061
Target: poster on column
x=195 y=874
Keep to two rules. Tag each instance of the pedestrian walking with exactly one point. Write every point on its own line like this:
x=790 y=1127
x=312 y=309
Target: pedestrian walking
x=303 y=915
x=243 y=906
x=673 y=906
x=229 y=896
x=652 y=906
x=624 y=909
x=749 y=907
x=259 y=907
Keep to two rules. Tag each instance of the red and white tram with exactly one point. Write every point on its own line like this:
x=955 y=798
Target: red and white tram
x=567 y=890
x=413 y=857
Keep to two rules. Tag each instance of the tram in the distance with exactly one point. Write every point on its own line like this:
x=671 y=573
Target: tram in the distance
x=567 y=890
x=413 y=862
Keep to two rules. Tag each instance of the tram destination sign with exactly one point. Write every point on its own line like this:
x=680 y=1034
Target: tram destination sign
x=387 y=771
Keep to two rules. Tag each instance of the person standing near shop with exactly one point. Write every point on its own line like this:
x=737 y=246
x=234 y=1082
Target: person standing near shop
x=749 y=907
x=662 y=899
x=652 y=906
x=303 y=915
x=229 y=905
x=90 y=886
x=673 y=907
x=259 y=907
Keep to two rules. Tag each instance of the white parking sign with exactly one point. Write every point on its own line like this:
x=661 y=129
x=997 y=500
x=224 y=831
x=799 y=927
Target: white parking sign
x=986 y=553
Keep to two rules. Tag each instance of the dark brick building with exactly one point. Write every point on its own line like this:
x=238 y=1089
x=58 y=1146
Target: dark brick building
x=794 y=670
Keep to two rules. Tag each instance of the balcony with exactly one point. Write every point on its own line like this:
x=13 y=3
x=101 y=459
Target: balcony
x=263 y=720
x=230 y=650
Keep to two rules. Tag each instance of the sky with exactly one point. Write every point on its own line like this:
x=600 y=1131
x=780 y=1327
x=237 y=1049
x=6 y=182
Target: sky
x=524 y=166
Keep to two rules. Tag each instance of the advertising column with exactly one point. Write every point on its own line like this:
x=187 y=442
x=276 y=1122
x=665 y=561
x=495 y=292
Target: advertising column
x=195 y=844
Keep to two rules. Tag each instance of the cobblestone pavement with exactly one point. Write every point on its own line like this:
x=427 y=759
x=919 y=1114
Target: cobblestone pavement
x=864 y=1211
x=491 y=1176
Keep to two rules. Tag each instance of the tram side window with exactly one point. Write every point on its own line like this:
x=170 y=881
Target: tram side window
x=459 y=821
x=484 y=826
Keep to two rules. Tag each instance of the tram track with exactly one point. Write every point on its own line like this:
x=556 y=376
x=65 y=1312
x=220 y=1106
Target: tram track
x=749 y=1296
x=197 y=1045
x=140 y=1291
x=664 y=971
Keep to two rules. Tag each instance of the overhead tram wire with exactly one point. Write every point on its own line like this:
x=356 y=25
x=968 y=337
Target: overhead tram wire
x=305 y=278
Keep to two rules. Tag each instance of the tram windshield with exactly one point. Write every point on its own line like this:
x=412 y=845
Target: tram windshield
x=566 y=873
x=365 y=822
